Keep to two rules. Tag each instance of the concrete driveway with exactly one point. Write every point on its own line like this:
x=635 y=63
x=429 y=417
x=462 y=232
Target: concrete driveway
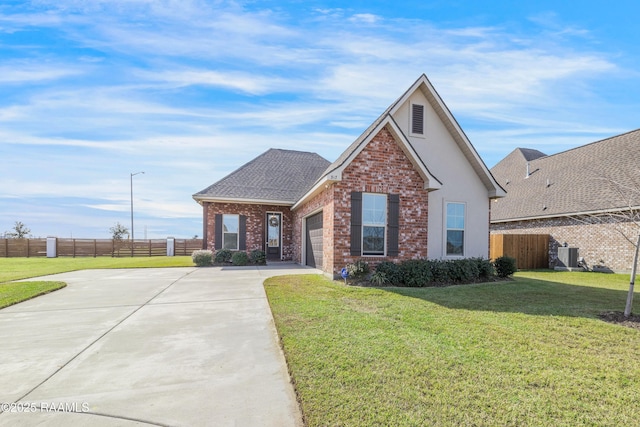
x=165 y=347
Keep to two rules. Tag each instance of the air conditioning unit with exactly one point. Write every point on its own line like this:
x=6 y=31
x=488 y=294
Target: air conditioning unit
x=567 y=257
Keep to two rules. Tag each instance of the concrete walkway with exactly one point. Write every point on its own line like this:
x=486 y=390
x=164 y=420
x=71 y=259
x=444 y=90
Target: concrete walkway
x=163 y=347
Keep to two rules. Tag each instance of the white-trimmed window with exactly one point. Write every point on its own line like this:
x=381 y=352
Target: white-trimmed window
x=455 y=229
x=374 y=223
x=416 y=121
x=230 y=232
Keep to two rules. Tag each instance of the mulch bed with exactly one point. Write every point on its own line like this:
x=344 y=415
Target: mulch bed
x=617 y=317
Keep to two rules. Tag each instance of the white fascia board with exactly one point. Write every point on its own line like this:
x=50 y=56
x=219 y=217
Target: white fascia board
x=242 y=201
x=321 y=185
x=431 y=183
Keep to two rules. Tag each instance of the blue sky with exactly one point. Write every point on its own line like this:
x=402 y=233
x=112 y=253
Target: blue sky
x=189 y=90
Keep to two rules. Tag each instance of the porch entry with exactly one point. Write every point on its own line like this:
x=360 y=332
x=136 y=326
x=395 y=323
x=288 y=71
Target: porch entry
x=273 y=236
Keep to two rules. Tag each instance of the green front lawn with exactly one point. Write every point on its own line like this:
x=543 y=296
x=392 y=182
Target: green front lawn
x=25 y=268
x=529 y=352
x=13 y=293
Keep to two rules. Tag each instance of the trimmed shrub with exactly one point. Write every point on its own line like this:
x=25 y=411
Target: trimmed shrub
x=391 y=270
x=258 y=257
x=505 y=266
x=463 y=270
x=240 y=258
x=416 y=273
x=223 y=256
x=419 y=273
x=358 y=269
x=440 y=271
x=485 y=268
x=202 y=257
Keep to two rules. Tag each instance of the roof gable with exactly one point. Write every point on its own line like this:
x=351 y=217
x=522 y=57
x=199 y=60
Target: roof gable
x=334 y=171
x=444 y=114
x=276 y=176
x=597 y=177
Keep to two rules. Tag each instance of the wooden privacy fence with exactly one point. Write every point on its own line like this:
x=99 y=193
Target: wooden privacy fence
x=97 y=247
x=529 y=250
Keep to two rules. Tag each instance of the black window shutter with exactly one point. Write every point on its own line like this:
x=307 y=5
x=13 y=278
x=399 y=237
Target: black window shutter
x=356 y=223
x=217 y=244
x=393 y=201
x=242 y=229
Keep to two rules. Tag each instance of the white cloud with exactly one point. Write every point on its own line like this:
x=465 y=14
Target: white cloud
x=242 y=81
x=22 y=73
x=190 y=90
x=367 y=18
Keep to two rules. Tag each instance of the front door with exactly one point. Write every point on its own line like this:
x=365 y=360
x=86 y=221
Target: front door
x=273 y=227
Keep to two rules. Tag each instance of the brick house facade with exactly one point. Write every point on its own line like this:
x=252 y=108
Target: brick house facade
x=599 y=240
x=380 y=168
x=585 y=197
x=380 y=200
x=255 y=224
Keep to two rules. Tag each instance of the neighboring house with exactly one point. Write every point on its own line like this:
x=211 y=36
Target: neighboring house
x=582 y=197
x=411 y=186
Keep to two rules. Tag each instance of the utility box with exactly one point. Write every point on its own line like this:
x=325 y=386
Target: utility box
x=567 y=257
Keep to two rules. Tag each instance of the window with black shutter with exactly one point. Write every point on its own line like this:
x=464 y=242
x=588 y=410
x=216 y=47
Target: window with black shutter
x=230 y=232
x=374 y=224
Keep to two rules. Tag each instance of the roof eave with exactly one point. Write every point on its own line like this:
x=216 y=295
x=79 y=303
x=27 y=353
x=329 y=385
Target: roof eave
x=322 y=184
x=566 y=215
x=201 y=199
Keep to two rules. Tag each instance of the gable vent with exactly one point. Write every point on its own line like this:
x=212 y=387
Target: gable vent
x=417 y=119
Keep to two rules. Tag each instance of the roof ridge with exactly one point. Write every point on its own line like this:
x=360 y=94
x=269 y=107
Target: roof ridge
x=593 y=143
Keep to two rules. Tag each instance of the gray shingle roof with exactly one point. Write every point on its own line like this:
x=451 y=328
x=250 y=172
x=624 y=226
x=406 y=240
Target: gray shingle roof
x=276 y=175
x=603 y=175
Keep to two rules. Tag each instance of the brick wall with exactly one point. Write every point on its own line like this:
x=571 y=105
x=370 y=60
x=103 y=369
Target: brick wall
x=323 y=201
x=599 y=240
x=381 y=167
x=255 y=224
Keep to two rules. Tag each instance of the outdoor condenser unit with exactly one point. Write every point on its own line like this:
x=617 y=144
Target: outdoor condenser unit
x=567 y=257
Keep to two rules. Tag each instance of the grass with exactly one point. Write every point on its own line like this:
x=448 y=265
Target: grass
x=528 y=352
x=13 y=293
x=25 y=268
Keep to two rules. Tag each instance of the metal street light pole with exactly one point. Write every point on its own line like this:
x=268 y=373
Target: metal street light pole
x=131 y=180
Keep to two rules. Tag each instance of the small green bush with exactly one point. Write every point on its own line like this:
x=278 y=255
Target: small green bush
x=258 y=257
x=202 y=257
x=223 y=256
x=379 y=278
x=440 y=271
x=505 y=266
x=391 y=270
x=416 y=273
x=463 y=270
x=240 y=258
x=358 y=269
x=485 y=268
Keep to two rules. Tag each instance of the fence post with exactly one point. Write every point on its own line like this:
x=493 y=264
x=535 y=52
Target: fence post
x=52 y=247
x=171 y=246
